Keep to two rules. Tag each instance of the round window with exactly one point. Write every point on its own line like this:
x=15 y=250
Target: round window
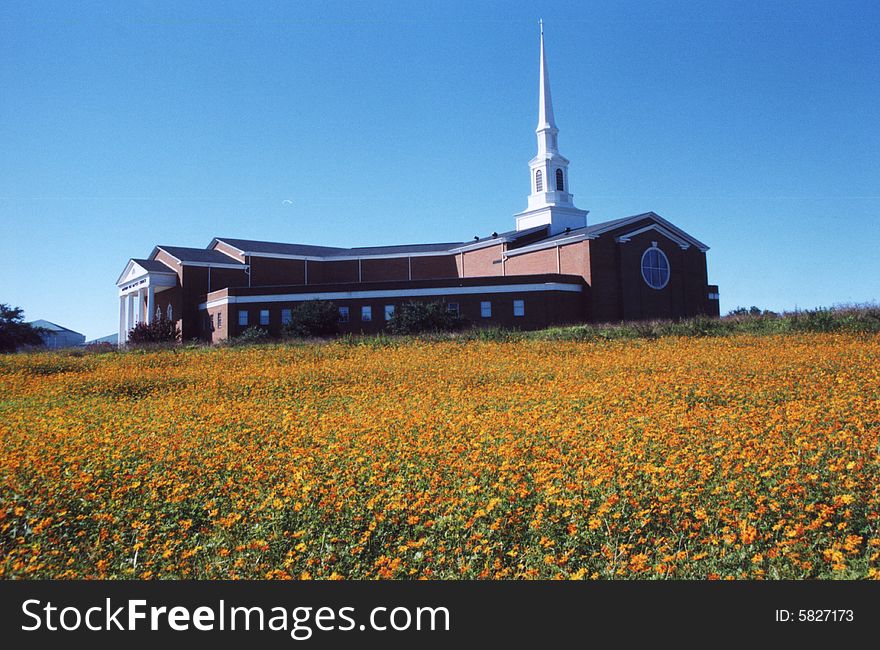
x=655 y=268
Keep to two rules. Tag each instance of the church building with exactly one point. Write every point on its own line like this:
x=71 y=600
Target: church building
x=553 y=268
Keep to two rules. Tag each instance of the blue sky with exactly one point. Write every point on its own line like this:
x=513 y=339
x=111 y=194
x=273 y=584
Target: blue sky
x=755 y=126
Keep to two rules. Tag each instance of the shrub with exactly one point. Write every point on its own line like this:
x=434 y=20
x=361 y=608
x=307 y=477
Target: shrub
x=419 y=317
x=313 y=318
x=161 y=330
x=100 y=348
x=814 y=320
x=252 y=334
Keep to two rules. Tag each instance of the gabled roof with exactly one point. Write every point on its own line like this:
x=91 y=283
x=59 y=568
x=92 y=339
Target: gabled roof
x=591 y=232
x=150 y=266
x=52 y=327
x=252 y=246
x=596 y=227
x=601 y=228
x=153 y=266
x=518 y=241
x=197 y=255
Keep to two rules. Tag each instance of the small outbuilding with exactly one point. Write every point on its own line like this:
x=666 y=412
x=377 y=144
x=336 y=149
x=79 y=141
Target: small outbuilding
x=55 y=336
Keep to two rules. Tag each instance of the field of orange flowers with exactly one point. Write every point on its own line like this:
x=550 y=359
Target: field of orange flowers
x=738 y=457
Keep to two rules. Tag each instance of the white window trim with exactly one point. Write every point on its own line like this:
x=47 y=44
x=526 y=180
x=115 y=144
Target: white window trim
x=642 y=266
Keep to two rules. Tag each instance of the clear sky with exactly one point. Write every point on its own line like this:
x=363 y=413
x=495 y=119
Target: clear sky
x=754 y=126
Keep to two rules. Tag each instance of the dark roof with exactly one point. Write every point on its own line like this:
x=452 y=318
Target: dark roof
x=607 y=224
x=515 y=239
x=153 y=266
x=652 y=216
x=591 y=229
x=279 y=248
x=307 y=250
x=403 y=248
x=509 y=237
x=185 y=254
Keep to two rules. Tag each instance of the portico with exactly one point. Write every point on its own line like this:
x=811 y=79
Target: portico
x=138 y=285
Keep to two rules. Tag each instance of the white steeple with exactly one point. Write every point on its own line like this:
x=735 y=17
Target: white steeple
x=546 y=124
x=550 y=202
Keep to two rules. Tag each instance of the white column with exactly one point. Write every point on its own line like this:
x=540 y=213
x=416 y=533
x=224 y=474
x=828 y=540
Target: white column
x=151 y=304
x=120 y=339
x=131 y=299
x=140 y=304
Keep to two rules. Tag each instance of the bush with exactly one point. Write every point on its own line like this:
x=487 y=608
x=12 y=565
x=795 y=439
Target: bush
x=252 y=334
x=14 y=332
x=161 y=330
x=313 y=318
x=814 y=320
x=420 y=317
x=100 y=348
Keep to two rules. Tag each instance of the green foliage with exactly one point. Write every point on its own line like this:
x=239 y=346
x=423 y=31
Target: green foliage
x=495 y=334
x=161 y=330
x=855 y=319
x=14 y=332
x=378 y=340
x=313 y=318
x=420 y=317
x=751 y=311
x=252 y=334
x=814 y=320
x=100 y=348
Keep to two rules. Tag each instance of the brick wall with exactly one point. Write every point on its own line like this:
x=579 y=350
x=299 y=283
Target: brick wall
x=619 y=292
x=267 y=271
x=481 y=262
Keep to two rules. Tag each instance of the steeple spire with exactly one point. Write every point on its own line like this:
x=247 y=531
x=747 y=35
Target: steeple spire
x=545 y=103
x=550 y=201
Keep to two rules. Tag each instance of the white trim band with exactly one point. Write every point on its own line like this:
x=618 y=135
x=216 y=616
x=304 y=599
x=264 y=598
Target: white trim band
x=395 y=293
x=682 y=244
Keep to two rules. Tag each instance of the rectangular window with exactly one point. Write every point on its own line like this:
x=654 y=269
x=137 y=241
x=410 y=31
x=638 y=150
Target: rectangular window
x=343 y=314
x=486 y=309
x=264 y=317
x=452 y=307
x=519 y=307
x=242 y=317
x=219 y=319
x=389 y=311
x=286 y=316
x=366 y=313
